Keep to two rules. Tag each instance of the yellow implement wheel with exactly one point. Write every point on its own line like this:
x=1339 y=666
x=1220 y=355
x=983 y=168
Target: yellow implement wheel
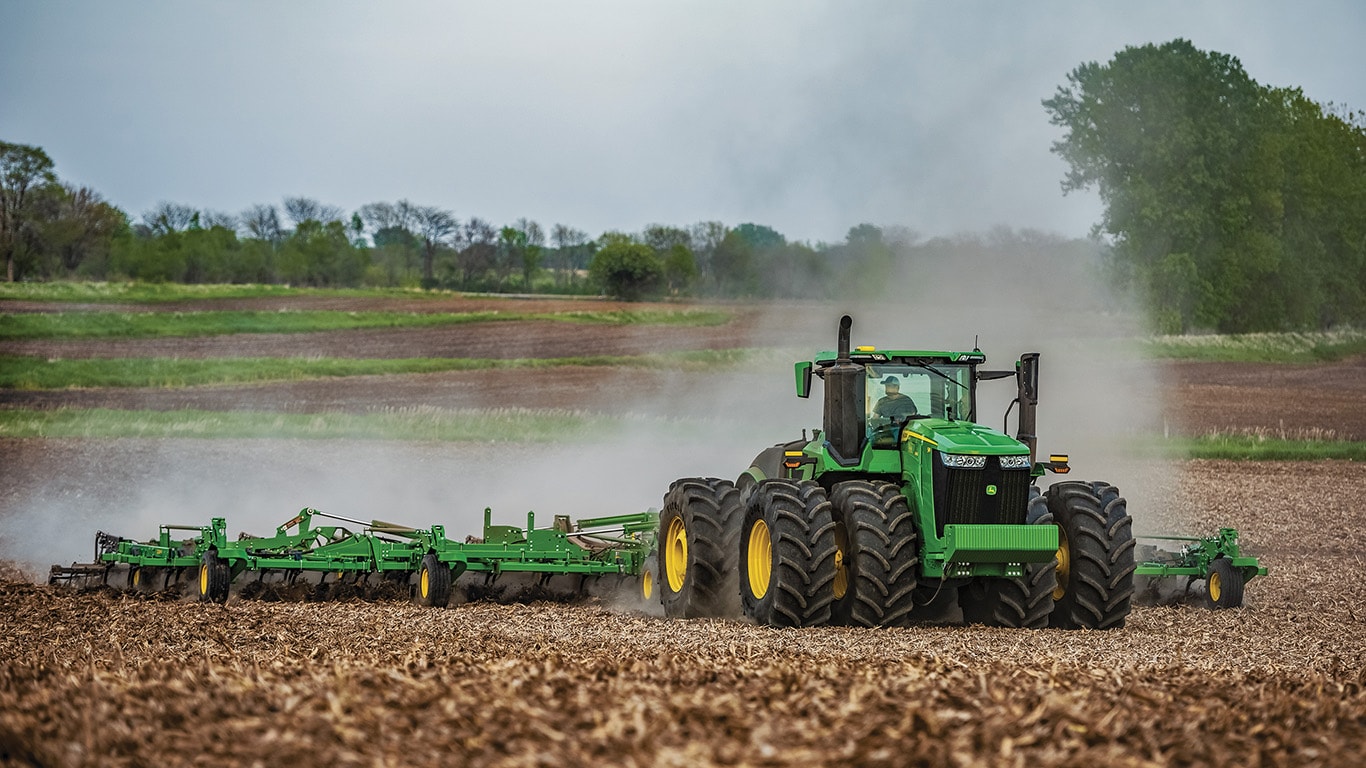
x=204 y=580
x=1064 y=558
x=647 y=586
x=425 y=584
x=676 y=554
x=841 y=585
x=1216 y=586
x=760 y=562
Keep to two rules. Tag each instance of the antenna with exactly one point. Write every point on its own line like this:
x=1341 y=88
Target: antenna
x=975 y=347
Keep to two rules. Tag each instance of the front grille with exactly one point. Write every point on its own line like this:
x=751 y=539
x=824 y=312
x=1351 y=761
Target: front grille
x=960 y=495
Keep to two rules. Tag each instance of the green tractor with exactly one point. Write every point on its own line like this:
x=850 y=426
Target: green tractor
x=898 y=506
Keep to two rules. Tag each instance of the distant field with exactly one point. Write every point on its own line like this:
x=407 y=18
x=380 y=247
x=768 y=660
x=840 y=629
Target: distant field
x=94 y=325
x=31 y=373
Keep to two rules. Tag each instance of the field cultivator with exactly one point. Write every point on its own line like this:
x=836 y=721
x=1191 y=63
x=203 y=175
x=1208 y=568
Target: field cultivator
x=422 y=560
x=1217 y=560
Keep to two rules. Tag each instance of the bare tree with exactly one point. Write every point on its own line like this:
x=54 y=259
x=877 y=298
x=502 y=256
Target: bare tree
x=707 y=237
x=165 y=218
x=569 y=243
x=262 y=222
x=480 y=251
x=434 y=225
x=301 y=209
x=211 y=219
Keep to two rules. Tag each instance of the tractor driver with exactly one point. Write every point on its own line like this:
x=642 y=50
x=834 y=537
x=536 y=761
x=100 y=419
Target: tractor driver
x=893 y=405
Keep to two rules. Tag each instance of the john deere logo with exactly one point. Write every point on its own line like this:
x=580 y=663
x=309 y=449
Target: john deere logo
x=991 y=490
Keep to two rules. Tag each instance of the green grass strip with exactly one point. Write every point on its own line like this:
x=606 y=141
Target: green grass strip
x=1309 y=347
x=158 y=293
x=130 y=325
x=512 y=424
x=33 y=373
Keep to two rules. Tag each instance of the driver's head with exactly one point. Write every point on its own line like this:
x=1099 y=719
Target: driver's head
x=892 y=384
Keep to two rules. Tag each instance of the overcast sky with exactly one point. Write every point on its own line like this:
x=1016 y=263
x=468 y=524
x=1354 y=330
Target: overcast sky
x=808 y=117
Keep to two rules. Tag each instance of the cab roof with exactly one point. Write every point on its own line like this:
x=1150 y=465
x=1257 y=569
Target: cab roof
x=875 y=355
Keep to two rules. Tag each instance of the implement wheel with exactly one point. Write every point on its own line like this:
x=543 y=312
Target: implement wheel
x=433 y=582
x=214 y=578
x=1095 y=561
x=649 y=580
x=1223 y=585
x=877 y=557
x=788 y=544
x=699 y=530
x=1025 y=601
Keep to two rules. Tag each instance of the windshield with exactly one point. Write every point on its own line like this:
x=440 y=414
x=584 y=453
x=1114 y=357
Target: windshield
x=898 y=392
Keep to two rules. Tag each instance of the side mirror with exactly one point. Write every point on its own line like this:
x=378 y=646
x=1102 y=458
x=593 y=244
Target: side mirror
x=1029 y=377
x=803 y=371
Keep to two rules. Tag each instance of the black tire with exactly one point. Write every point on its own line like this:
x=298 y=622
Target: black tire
x=699 y=548
x=788 y=543
x=649 y=580
x=433 y=582
x=878 y=558
x=215 y=577
x=1223 y=585
x=1025 y=601
x=1095 y=563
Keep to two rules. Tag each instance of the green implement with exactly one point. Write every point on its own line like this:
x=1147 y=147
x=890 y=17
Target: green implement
x=1215 y=559
x=616 y=545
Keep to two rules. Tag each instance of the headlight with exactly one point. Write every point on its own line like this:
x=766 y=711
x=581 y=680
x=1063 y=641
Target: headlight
x=1015 y=462
x=955 y=461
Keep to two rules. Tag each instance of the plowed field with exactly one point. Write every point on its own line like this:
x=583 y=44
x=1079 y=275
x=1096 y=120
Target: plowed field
x=110 y=679
x=107 y=678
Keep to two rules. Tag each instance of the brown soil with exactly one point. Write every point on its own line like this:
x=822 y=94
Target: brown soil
x=110 y=679
x=117 y=679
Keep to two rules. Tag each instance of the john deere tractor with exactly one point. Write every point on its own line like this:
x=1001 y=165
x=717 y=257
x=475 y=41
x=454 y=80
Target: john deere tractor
x=900 y=504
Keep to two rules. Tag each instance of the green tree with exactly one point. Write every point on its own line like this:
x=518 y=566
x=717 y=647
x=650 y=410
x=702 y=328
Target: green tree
x=1206 y=177
x=627 y=269
x=22 y=168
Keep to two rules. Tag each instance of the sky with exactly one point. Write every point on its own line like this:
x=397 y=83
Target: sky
x=808 y=117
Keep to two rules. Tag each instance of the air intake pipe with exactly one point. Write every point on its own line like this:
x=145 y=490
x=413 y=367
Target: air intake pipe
x=844 y=427
x=1027 y=395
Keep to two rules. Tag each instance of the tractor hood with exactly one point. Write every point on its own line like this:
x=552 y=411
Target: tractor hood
x=962 y=437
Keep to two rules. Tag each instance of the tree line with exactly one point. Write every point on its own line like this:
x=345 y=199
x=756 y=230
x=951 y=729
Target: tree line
x=54 y=230
x=1228 y=205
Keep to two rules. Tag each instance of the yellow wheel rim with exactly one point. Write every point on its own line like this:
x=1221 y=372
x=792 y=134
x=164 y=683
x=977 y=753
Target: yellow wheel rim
x=760 y=559
x=842 y=574
x=137 y=577
x=203 y=578
x=676 y=554
x=1216 y=586
x=425 y=580
x=1064 y=558
x=647 y=585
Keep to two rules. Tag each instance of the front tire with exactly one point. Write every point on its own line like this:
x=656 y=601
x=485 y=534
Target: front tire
x=879 y=554
x=788 y=545
x=1095 y=561
x=699 y=548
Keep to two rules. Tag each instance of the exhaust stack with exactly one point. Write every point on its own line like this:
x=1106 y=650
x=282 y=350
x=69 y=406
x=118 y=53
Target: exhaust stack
x=844 y=427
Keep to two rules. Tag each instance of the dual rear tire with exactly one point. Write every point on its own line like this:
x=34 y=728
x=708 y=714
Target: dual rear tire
x=788 y=542
x=699 y=548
